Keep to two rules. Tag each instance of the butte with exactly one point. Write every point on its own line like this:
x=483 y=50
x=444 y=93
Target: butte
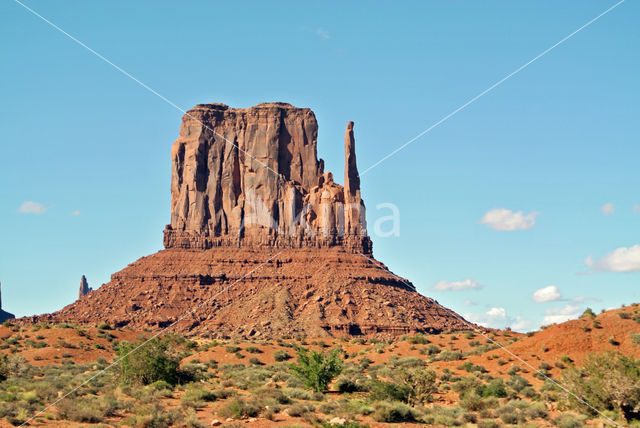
x=262 y=242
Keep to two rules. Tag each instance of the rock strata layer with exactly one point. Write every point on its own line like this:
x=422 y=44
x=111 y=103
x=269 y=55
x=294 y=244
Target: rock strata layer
x=242 y=292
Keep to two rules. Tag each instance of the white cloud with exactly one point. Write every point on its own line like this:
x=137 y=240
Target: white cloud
x=30 y=207
x=504 y=219
x=493 y=318
x=521 y=324
x=619 y=260
x=636 y=208
x=465 y=284
x=470 y=302
x=75 y=212
x=547 y=294
x=498 y=318
x=558 y=315
x=608 y=209
x=322 y=33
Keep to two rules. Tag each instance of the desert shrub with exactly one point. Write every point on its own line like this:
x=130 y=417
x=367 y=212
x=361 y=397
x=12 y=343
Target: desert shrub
x=470 y=367
x=238 y=408
x=317 y=369
x=281 y=355
x=253 y=350
x=297 y=393
x=488 y=424
x=153 y=415
x=232 y=349
x=588 y=313
x=392 y=412
x=568 y=420
x=255 y=361
x=408 y=362
x=517 y=383
x=418 y=339
x=635 y=338
x=90 y=409
x=447 y=355
x=195 y=396
x=430 y=350
x=12 y=365
x=421 y=384
x=389 y=391
x=270 y=397
x=153 y=361
x=536 y=410
x=104 y=326
x=192 y=420
x=495 y=388
x=608 y=381
x=299 y=409
x=346 y=384
x=472 y=402
x=544 y=366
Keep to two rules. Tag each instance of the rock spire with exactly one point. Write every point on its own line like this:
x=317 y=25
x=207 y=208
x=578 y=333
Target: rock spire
x=84 y=287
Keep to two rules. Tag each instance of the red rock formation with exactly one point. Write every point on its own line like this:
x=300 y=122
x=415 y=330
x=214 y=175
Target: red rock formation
x=251 y=178
x=243 y=292
x=262 y=241
x=84 y=287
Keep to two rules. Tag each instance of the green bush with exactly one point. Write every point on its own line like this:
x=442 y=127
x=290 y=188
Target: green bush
x=418 y=339
x=447 y=355
x=608 y=381
x=238 y=408
x=392 y=412
x=281 y=355
x=104 y=326
x=495 y=388
x=389 y=391
x=195 y=396
x=568 y=420
x=149 y=362
x=421 y=384
x=317 y=369
x=588 y=313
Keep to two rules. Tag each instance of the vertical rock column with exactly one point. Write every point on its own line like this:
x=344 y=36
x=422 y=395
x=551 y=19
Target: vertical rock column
x=354 y=214
x=84 y=287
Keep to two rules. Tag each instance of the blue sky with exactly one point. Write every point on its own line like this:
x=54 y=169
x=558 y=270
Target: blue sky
x=90 y=148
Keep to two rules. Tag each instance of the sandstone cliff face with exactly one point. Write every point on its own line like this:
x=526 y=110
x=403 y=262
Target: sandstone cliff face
x=251 y=178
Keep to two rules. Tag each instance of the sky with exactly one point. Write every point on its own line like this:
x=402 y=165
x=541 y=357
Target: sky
x=520 y=210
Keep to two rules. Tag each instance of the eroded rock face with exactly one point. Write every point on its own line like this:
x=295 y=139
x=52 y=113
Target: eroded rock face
x=251 y=178
x=84 y=287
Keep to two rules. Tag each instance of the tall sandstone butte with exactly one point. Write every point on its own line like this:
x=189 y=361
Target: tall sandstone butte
x=262 y=242
x=251 y=177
